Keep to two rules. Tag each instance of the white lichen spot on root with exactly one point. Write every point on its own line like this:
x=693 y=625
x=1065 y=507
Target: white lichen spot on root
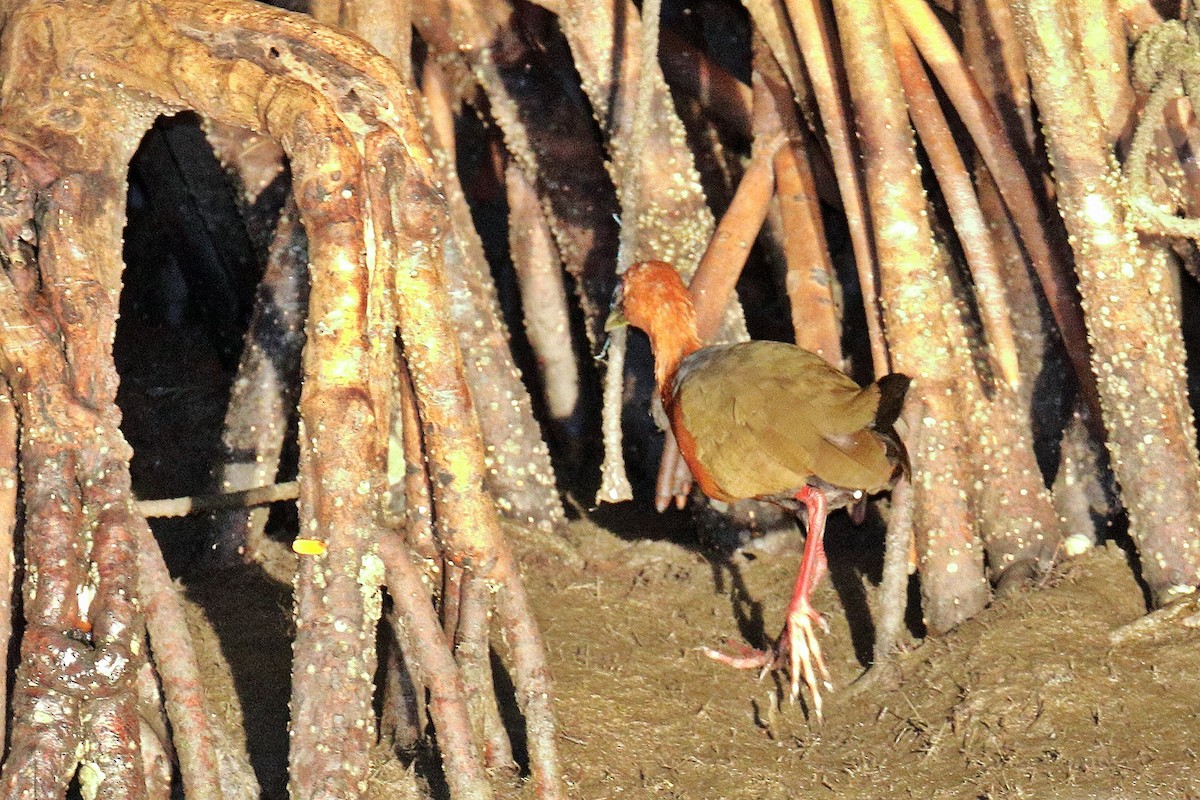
x=90 y=777
x=370 y=577
x=319 y=579
x=1177 y=591
x=1077 y=544
x=83 y=598
x=40 y=715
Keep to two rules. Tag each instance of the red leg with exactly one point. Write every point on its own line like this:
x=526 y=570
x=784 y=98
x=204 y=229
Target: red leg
x=799 y=637
x=798 y=643
x=812 y=563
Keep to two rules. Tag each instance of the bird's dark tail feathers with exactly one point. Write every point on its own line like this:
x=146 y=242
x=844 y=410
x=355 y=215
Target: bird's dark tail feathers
x=892 y=389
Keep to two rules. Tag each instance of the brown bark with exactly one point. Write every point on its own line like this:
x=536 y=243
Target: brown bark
x=418 y=495
x=1137 y=351
x=8 y=526
x=812 y=286
x=721 y=95
x=1003 y=80
x=204 y=773
x=386 y=26
x=1105 y=56
x=993 y=75
x=547 y=133
x=78 y=655
x=1041 y=235
x=472 y=651
x=544 y=303
x=961 y=202
x=428 y=654
x=467 y=526
x=925 y=336
x=257 y=68
x=674 y=224
x=817 y=42
x=715 y=278
x=1017 y=521
x=253 y=161
x=156 y=750
x=520 y=476
x=401 y=713
x=264 y=393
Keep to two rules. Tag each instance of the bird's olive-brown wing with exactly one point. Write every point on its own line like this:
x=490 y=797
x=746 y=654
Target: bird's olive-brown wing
x=766 y=416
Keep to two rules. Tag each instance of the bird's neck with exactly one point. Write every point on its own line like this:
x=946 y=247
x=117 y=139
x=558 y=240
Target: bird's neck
x=672 y=341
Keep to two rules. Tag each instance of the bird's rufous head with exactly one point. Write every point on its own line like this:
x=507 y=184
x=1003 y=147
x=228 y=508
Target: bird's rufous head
x=653 y=297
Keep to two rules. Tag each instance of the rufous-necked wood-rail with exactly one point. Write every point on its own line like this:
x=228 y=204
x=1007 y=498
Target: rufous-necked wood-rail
x=770 y=421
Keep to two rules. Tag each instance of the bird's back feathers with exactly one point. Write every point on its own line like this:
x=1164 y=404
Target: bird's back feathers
x=765 y=418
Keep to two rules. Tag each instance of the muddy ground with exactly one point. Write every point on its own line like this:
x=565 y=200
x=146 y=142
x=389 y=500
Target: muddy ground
x=1028 y=700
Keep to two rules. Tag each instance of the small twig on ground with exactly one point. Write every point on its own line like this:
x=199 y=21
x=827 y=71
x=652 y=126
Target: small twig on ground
x=199 y=504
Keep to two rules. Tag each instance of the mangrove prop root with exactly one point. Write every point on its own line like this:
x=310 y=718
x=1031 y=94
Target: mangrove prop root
x=152 y=725
x=418 y=634
x=811 y=283
x=1133 y=321
x=519 y=474
x=205 y=775
x=944 y=521
x=961 y=201
x=418 y=496
x=401 y=715
x=1041 y=235
x=58 y=299
x=466 y=522
x=473 y=654
x=544 y=304
x=813 y=35
x=264 y=393
x=374 y=219
x=8 y=524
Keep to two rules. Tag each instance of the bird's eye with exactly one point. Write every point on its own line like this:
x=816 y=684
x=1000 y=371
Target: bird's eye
x=858 y=494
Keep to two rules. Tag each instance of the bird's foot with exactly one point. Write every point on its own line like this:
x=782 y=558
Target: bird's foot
x=796 y=648
x=804 y=651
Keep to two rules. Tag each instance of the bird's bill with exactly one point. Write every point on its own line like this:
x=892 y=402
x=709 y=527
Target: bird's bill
x=616 y=311
x=616 y=319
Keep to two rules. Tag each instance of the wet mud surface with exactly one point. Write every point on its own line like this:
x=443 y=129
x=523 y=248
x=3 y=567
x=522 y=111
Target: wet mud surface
x=1028 y=700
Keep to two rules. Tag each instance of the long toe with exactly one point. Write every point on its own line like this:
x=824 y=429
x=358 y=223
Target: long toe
x=748 y=658
x=805 y=657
